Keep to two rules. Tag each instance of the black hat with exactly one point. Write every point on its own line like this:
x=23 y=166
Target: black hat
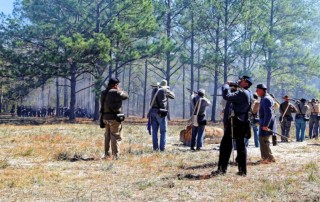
x=303 y=100
x=262 y=86
x=247 y=79
x=113 y=81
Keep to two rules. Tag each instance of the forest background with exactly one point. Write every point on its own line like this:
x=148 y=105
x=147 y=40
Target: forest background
x=62 y=53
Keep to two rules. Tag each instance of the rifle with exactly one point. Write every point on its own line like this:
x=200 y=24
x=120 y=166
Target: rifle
x=157 y=86
x=271 y=131
x=192 y=91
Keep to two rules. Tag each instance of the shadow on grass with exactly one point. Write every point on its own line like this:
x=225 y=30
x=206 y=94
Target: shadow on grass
x=190 y=176
x=195 y=176
x=207 y=165
x=314 y=144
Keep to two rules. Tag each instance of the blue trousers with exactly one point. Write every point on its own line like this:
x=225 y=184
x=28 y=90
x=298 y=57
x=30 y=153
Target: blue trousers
x=197 y=135
x=256 y=135
x=157 y=123
x=300 y=129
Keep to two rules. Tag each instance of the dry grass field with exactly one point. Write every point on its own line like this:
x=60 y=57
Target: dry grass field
x=43 y=163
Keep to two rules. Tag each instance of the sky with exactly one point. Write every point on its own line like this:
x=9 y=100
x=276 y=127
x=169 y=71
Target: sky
x=6 y=6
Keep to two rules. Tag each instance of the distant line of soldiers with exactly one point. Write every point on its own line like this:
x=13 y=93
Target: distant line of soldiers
x=304 y=111
x=29 y=111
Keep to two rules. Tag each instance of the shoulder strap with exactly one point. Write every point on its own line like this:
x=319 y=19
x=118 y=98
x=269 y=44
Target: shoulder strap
x=199 y=105
x=313 y=107
x=195 y=107
x=285 y=112
x=299 y=108
x=154 y=97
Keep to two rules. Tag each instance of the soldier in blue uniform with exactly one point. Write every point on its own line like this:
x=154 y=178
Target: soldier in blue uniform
x=238 y=126
x=266 y=121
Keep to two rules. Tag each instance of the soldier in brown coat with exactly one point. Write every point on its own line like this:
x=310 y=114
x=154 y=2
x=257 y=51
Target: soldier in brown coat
x=111 y=104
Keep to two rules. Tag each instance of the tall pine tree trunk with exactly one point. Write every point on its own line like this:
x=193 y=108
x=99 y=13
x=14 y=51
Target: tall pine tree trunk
x=198 y=66
x=57 y=98
x=73 y=82
x=168 y=53
x=183 y=92
x=129 y=87
x=192 y=60
x=225 y=56
x=270 y=51
x=216 y=72
x=145 y=88
x=42 y=96
x=96 y=114
x=65 y=94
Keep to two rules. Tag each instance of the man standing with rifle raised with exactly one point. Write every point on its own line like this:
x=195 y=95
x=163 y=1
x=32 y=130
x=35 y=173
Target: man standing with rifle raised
x=111 y=117
x=238 y=126
x=158 y=114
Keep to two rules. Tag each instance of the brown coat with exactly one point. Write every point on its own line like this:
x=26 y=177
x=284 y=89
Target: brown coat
x=111 y=102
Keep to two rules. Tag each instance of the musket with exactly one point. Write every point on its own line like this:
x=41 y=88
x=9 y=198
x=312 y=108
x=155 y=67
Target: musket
x=275 y=99
x=191 y=91
x=231 y=120
x=271 y=131
x=157 y=86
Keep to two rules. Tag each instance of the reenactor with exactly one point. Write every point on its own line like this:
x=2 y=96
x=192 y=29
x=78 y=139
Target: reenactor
x=266 y=122
x=238 y=126
x=314 y=118
x=286 y=109
x=301 y=119
x=158 y=114
x=111 y=106
x=199 y=103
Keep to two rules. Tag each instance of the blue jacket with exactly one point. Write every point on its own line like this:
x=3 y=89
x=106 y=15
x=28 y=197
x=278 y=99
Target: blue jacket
x=266 y=116
x=240 y=99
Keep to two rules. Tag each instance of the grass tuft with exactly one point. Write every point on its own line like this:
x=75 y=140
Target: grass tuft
x=4 y=163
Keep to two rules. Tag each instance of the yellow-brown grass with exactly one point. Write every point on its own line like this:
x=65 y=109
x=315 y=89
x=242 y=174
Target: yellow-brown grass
x=35 y=164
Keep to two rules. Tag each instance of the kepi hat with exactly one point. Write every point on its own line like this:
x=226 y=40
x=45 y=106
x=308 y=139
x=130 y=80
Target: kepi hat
x=262 y=86
x=113 y=81
x=248 y=79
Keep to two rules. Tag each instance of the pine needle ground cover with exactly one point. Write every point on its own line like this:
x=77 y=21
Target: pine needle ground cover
x=63 y=162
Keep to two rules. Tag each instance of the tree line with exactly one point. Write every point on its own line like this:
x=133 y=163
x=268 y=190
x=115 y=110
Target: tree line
x=190 y=43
